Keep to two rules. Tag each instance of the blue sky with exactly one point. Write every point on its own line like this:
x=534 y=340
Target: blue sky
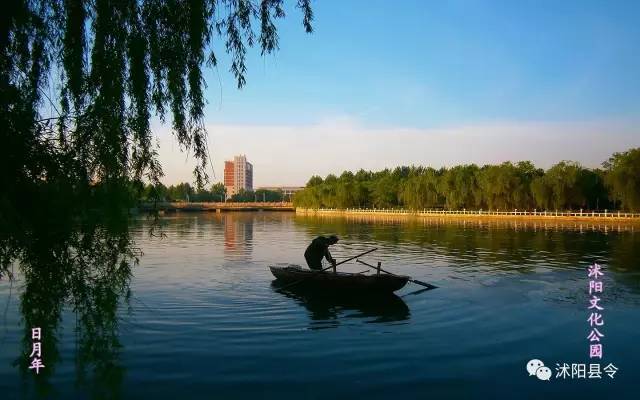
x=450 y=73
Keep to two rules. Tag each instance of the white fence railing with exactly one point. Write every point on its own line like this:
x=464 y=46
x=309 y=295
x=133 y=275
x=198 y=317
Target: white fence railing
x=428 y=212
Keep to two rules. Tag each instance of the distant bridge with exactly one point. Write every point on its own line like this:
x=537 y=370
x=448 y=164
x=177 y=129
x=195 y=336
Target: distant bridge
x=217 y=206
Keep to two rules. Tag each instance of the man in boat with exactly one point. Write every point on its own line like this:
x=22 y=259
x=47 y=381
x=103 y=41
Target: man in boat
x=319 y=249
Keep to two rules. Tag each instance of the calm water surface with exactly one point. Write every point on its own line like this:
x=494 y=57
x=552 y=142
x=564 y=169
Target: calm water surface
x=204 y=322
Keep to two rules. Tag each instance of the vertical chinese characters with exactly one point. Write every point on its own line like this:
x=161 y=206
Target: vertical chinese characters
x=595 y=275
x=596 y=319
x=36 y=350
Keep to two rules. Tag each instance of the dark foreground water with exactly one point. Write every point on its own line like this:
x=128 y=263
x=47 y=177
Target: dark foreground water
x=204 y=322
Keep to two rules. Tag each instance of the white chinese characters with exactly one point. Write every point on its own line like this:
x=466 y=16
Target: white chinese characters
x=596 y=319
x=584 y=371
x=36 y=350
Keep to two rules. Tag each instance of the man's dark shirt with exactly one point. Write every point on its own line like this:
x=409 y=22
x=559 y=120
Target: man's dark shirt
x=318 y=249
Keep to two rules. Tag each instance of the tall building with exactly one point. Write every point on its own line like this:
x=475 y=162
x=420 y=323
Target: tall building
x=238 y=174
x=228 y=177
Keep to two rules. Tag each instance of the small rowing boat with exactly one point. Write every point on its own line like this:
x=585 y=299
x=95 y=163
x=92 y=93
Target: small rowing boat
x=338 y=281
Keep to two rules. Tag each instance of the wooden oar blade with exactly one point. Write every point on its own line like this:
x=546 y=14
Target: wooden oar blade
x=425 y=284
x=416 y=292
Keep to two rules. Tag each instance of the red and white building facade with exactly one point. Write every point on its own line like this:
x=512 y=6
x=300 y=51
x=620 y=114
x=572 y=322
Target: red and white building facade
x=238 y=174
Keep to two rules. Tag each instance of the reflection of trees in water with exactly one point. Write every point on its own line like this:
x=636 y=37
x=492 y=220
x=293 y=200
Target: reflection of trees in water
x=506 y=242
x=499 y=245
x=87 y=268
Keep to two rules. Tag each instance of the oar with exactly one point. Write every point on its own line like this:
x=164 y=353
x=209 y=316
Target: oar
x=425 y=284
x=331 y=266
x=349 y=259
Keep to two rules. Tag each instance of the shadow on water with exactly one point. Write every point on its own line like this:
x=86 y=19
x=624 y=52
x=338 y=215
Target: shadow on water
x=323 y=306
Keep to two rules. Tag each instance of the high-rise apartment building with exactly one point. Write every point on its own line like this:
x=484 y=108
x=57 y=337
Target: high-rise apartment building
x=238 y=174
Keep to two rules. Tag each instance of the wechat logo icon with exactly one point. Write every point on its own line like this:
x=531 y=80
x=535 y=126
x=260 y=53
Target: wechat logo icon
x=536 y=368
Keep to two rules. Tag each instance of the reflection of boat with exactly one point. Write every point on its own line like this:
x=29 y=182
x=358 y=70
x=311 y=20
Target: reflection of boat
x=330 y=306
x=296 y=276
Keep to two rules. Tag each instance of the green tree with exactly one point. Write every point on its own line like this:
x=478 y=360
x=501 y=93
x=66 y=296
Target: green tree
x=116 y=64
x=201 y=195
x=328 y=191
x=563 y=181
x=384 y=193
x=523 y=196
x=542 y=193
x=218 y=192
x=269 y=195
x=309 y=197
x=623 y=178
x=314 y=181
x=498 y=183
x=345 y=191
x=506 y=186
x=181 y=192
x=420 y=189
x=151 y=192
x=592 y=187
x=459 y=186
x=243 y=196
x=361 y=189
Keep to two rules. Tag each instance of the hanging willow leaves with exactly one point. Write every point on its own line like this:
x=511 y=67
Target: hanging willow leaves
x=80 y=81
x=105 y=67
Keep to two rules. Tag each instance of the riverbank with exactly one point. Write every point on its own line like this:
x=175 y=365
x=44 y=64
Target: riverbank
x=569 y=216
x=214 y=206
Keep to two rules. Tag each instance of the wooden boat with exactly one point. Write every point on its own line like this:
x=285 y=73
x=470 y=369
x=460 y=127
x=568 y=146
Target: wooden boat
x=338 y=281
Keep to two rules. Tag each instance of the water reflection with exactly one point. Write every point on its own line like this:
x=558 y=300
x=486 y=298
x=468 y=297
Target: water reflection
x=84 y=271
x=494 y=242
x=328 y=309
x=224 y=290
x=510 y=223
x=238 y=234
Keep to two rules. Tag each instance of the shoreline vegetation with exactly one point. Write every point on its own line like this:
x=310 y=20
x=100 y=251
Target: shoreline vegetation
x=567 y=185
x=397 y=213
x=433 y=222
x=566 y=216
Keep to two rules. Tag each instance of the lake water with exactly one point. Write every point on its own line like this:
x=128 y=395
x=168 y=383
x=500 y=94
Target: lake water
x=204 y=322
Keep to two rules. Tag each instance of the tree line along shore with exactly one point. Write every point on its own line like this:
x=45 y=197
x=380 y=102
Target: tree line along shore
x=566 y=185
x=184 y=191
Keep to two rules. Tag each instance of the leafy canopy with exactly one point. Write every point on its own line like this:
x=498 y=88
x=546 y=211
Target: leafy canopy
x=102 y=68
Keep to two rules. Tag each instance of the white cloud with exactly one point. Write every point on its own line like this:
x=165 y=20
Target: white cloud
x=290 y=154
